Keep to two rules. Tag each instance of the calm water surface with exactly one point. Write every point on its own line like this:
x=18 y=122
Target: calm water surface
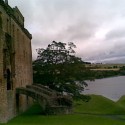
x=112 y=88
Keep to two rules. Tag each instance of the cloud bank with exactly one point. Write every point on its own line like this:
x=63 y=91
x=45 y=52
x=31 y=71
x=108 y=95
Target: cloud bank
x=95 y=26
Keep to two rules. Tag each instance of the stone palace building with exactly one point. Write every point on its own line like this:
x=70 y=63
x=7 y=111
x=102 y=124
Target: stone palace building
x=15 y=61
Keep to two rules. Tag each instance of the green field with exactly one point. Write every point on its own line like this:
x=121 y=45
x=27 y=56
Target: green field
x=98 y=111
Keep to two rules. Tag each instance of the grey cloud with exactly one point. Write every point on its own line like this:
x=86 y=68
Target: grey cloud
x=116 y=34
x=115 y=60
x=77 y=32
x=76 y=20
x=116 y=52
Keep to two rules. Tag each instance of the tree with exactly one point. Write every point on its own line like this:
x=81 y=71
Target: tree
x=59 y=68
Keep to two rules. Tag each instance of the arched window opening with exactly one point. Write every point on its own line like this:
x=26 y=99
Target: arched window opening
x=0 y=20
x=8 y=80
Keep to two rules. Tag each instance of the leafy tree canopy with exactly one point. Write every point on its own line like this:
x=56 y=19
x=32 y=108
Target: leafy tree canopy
x=59 y=68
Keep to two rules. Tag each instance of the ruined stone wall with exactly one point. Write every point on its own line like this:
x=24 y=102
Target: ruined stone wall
x=15 y=58
x=3 y=100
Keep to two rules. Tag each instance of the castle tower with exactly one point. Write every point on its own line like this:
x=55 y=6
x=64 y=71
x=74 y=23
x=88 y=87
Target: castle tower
x=15 y=61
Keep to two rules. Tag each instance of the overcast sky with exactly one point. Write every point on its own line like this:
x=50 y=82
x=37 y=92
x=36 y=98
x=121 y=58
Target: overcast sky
x=97 y=27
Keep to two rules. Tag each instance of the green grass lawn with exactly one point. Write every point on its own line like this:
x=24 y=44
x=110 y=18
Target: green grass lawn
x=121 y=101
x=75 y=119
x=90 y=113
x=99 y=105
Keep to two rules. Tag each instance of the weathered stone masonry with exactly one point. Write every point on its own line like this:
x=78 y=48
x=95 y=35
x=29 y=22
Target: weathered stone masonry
x=15 y=61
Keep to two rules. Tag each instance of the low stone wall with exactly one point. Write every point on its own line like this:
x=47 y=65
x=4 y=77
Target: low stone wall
x=59 y=110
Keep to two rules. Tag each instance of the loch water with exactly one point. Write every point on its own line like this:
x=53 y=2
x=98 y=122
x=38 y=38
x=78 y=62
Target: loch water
x=112 y=88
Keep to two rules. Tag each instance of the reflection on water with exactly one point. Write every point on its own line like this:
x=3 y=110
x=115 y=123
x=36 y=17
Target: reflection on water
x=112 y=88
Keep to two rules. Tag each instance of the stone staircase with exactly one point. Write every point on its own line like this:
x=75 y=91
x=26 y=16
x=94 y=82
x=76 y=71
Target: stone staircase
x=51 y=101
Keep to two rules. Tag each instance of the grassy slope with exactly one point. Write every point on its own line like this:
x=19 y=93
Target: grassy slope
x=121 y=102
x=98 y=104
